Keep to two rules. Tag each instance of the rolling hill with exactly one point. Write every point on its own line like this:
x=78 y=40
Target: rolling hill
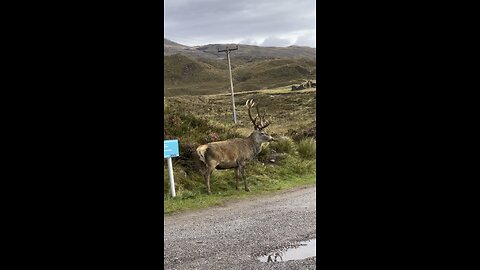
x=202 y=70
x=245 y=52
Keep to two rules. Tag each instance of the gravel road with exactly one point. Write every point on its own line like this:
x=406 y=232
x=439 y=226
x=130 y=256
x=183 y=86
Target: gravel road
x=234 y=235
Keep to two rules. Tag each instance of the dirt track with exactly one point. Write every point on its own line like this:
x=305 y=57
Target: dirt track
x=232 y=236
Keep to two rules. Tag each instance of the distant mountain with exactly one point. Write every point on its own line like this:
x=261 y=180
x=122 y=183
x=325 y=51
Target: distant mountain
x=170 y=43
x=197 y=70
x=244 y=52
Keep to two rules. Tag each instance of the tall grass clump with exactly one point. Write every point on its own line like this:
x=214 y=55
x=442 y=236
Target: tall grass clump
x=283 y=145
x=188 y=128
x=307 y=148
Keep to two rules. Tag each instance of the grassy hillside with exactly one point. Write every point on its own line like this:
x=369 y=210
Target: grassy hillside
x=273 y=73
x=196 y=120
x=189 y=76
x=251 y=52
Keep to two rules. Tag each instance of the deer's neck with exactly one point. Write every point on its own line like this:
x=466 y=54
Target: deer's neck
x=256 y=146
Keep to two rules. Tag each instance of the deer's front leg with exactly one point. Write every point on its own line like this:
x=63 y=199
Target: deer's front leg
x=244 y=178
x=237 y=176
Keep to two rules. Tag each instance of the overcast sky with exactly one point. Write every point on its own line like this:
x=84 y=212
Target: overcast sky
x=255 y=22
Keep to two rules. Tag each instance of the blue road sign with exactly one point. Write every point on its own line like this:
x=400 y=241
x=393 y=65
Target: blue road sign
x=170 y=148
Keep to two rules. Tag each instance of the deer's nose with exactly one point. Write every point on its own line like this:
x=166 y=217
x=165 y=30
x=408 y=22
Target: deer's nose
x=272 y=139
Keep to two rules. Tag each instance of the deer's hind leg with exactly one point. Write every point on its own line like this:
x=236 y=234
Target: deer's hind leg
x=207 y=175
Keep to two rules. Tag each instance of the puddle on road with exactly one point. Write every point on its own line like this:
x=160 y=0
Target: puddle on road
x=305 y=250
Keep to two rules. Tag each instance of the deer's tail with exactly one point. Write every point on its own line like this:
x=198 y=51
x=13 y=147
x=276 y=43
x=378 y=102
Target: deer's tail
x=201 y=152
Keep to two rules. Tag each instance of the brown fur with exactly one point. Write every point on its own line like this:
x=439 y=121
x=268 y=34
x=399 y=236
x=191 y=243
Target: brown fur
x=231 y=154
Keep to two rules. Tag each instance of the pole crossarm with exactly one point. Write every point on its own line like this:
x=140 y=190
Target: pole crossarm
x=228 y=49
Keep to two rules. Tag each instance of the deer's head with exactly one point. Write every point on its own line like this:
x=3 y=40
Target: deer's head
x=259 y=124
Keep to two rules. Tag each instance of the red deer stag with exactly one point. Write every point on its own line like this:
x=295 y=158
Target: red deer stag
x=235 y=153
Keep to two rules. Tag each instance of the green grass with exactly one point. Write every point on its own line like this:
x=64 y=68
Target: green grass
x=286 y=110
x=307 y=148
x=189 y=201
x=283 y=164
x=288 y=171
x=283 y=145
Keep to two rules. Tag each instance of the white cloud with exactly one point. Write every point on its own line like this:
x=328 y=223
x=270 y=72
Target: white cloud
x=307 y=39
x=277 y=42
x=266 y=22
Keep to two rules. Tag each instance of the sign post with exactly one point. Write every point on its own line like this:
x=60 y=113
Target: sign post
x=170 y=149
x=170 y=174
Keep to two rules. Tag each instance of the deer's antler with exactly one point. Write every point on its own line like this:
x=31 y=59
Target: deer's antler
x=258 y=126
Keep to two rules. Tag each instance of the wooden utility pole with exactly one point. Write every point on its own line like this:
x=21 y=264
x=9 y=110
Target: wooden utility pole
x=227 y=50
